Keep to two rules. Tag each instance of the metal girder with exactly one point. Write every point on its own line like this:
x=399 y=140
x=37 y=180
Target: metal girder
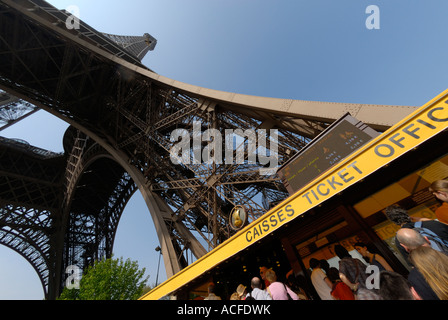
x=137 y=46
x=13 y=110
x=30 y=195
x=28 y=232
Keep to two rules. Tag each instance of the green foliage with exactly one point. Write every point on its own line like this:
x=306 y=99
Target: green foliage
x=109 y=279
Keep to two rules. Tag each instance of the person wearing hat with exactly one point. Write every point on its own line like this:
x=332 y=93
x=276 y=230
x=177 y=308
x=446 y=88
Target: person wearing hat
x=241 y=291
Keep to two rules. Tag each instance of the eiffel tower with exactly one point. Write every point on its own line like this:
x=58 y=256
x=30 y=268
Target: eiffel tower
x=59 y=210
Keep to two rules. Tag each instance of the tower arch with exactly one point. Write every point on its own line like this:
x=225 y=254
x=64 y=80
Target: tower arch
x=98 y=188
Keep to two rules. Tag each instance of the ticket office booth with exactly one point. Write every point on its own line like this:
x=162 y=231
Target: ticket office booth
x=356 y=214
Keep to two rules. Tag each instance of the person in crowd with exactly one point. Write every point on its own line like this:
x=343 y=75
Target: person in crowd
x=277 y=289
x=353 y=273
x=257 y=292
x=340 y=290
x=409 y=240
x=320 y=280
x=395 y=287
x=263 y=276
x=400 y=217
x=422 y=290
x=439 y=189
x=324 y=265
x=433 y=265
x=305 y=286
x=235 y=296
x=297 y=284
x=372 y=258
x=211 y=292
x=241 y=291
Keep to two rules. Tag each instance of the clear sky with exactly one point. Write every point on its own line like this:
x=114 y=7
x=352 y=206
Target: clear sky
x=296 y=49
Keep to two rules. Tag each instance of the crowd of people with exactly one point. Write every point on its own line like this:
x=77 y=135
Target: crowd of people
x=423 y=243
x=265 y=287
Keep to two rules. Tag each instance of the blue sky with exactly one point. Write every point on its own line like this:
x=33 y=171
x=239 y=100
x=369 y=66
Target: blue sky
x=296 y=49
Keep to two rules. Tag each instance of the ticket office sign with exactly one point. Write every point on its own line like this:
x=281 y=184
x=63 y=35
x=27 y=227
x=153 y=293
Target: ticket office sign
x=426 y=122
x=406 y=135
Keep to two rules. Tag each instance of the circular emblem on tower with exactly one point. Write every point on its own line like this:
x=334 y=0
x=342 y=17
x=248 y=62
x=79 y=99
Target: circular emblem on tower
x=238 y=218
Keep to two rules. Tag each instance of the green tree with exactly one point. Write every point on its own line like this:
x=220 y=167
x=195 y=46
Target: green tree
x=109 y=279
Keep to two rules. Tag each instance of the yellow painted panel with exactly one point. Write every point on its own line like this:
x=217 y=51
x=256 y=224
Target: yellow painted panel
x=436 y=171
x=368 y=206
x=390 y=195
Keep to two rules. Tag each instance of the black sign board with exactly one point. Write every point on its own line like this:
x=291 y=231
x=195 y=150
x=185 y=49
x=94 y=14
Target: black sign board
x=335 y=143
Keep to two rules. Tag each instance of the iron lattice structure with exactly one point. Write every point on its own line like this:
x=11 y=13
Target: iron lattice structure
x=12 y=110
x=122 y=115
x=137 y=46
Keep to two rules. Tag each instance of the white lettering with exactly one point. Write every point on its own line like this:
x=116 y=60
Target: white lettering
x=72 y=21
x=186 y=310
x=373 y=280
x=373 y=21
x=183 y=146
x=74 y=277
